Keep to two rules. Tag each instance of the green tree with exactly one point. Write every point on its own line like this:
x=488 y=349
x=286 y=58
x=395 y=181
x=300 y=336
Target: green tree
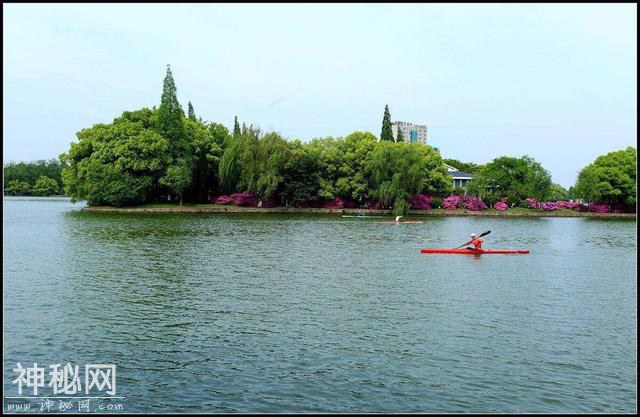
x=469 y=167
x=302 y=178
x=206 y=157
x=518 y=178
x=558 y=193
x=611 y=178
x=45 y=186
x=17 y=187
x=177 y=178
x=399 y=170
x=190 y=112
x=119 y=163
x=400 y=135
x=170 y=114
x=220 y=133
x=387 y=133
x=236 y=127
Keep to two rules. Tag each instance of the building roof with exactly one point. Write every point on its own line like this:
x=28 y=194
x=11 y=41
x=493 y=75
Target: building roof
x=460 y=174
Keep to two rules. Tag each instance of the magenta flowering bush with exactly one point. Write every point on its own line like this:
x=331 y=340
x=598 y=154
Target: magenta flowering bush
x=533 y=203
x=421 y=201
x=451 y=202
x=548 y=206
x=463 y=201
x=473 y=203
x=501 y=205
x=566 y=204
x=337 y=203
x=599 y=208
x=223 y=200
x=245 y=198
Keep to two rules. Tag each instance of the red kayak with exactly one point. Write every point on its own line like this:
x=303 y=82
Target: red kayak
x=473 y=251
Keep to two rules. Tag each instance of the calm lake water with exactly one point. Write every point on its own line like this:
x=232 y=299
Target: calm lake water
x=302 y=313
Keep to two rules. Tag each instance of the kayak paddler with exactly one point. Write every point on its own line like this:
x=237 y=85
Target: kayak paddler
x=475 y=241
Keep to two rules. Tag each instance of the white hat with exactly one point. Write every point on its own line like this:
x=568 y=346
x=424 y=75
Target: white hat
x=473 y=235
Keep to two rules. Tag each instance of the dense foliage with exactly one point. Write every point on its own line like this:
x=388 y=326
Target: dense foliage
x=469 y=167
x=515 y=178
x=610 y=179
x=33 y=178
x=153 y=155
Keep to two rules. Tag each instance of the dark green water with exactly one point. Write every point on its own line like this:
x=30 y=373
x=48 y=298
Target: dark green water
x=277 y=313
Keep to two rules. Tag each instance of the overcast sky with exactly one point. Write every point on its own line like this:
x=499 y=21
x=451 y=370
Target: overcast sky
x=555 y=82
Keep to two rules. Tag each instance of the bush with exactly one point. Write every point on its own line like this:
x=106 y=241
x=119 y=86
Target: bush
x=512 y=201
x=599 y=208
x=245 y=198
x=223 y=200
x=337 y=203
x=533 y=203
x=451 y=202
x=473 y=203
x=524 y=204
x=501 y=205
x=421 y=201
x=436 y=202
x=492 y=199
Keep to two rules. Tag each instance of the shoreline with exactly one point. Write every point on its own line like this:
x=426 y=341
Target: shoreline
x=350 y=211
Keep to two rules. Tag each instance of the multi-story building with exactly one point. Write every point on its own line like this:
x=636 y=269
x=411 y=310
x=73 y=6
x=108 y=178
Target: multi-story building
x=410 y=132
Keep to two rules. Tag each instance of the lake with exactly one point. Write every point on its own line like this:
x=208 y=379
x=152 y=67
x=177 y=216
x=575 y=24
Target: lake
x=319 y=313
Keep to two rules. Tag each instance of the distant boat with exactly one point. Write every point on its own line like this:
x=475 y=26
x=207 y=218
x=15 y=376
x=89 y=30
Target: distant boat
x=401 y=222
x=363 y=217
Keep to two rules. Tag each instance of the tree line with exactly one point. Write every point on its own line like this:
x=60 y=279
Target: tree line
x=161 y=154
x=42 y=178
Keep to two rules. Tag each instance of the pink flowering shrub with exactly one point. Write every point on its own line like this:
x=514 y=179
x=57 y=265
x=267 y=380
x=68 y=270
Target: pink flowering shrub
x=473 y=203
x=501 y=205
x=337 y=203
x=463 y=201
x=223 y=200
x=533 y=203
x=566 y=204
x=599 y=208
x=245 y=198
x=421 y=201
x=548 y=206
x=451 y=202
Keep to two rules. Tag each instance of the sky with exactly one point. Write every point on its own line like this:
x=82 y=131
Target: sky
x=554 y=82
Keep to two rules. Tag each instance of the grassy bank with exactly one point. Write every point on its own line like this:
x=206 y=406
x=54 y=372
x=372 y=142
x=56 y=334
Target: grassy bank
x=213 y=208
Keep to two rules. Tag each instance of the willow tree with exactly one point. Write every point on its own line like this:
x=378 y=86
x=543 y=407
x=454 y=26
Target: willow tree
x=400 y=170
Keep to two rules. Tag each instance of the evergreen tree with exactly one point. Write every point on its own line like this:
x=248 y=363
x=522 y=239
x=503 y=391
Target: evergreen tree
x=191 y=113
x=236 y=127
x=400 y=137
x=386 y=133
x=170 y=113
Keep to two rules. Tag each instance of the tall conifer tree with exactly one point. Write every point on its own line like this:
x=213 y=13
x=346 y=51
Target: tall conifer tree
x=236 y=127
x=400 y=137
x=170 y=113
x=191 y=113
x=387 y=133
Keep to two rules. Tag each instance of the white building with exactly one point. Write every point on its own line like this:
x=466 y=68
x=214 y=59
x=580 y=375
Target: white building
x=460 y=179
x=410 y=132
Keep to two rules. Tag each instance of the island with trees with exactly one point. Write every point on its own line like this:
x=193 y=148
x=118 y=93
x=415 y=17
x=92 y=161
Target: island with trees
x=161 y=159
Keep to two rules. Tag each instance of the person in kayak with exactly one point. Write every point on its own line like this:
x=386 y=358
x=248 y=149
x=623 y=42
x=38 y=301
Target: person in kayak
x=475 y=241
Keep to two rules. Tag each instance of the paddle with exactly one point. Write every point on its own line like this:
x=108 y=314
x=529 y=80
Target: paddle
x=483 y=234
